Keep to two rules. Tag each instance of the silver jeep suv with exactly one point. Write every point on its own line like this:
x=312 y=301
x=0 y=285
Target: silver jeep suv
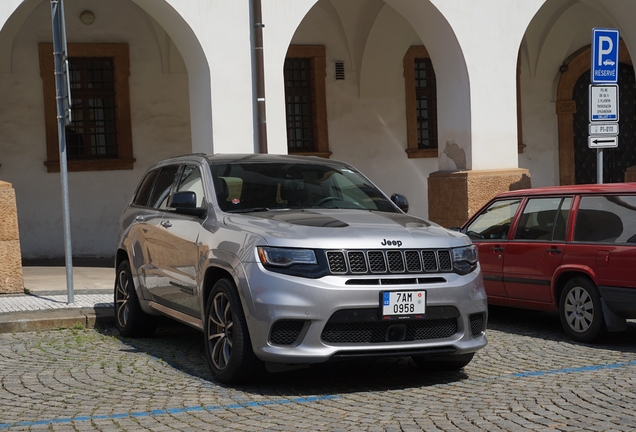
x=284 y=261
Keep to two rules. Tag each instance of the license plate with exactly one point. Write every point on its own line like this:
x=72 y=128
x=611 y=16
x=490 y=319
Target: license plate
x=403 y=304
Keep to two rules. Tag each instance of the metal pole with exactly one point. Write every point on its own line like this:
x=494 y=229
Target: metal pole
x=62 y=94
x=599 y=166
x=258 y=74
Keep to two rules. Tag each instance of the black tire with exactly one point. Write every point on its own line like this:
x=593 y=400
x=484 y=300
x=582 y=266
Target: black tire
x=580 y=310
x=452 y=363
x=130 y=319
x=228 y=346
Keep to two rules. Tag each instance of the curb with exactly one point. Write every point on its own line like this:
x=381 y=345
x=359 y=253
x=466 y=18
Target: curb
x=14 y=322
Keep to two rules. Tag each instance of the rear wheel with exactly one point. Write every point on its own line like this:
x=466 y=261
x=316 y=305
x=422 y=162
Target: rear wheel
x=227 y=342
x=130 y=319
x=452 y=363
x=580 y=310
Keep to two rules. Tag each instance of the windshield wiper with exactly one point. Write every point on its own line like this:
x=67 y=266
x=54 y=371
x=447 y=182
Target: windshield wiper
x=248 y=210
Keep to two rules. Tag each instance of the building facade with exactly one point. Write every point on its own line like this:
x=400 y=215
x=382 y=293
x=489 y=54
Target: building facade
x=447 y=102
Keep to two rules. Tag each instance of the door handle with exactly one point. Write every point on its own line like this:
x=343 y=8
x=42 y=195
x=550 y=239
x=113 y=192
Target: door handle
x=139 y=218
x=166 y=224
x=553 y=250
x=497 y=249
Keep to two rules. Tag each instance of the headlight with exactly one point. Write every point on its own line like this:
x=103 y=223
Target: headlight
x=465 y=259
x=285 y=257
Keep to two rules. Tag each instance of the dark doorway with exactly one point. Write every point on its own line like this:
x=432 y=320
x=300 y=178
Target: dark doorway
x=615 y=160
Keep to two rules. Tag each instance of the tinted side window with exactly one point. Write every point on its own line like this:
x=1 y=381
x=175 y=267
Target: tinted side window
x=191 y=181
x=161 y=191
x=143 y=193
x=606 y=219
x=544 y=219
x=494 y=222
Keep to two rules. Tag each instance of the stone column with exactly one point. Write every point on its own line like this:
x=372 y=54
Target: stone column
x=10 y=257
x=454 y=196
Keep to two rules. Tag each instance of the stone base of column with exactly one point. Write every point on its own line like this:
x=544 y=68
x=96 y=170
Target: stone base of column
x=454 y=196
x=11 y=280
x=630 y=174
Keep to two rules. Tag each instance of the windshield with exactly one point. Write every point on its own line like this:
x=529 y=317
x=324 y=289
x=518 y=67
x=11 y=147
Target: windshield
x=244 y=187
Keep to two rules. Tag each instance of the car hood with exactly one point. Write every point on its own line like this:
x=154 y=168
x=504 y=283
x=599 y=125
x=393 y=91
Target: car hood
x=345 y=229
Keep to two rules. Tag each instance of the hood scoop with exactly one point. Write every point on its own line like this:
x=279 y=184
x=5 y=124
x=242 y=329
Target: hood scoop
x=303 y=217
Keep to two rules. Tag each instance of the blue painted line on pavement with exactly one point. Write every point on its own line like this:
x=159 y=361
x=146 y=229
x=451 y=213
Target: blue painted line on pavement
x=575 y=370
x=160 y=412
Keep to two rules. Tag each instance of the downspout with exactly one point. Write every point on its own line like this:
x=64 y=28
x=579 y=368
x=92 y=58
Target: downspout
x=258 y=77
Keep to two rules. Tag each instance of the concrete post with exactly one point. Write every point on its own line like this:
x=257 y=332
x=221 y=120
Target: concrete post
x=10 y=257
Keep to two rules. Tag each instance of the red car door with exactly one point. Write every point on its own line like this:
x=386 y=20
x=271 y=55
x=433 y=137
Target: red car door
x=489 y=231
x=536 y=251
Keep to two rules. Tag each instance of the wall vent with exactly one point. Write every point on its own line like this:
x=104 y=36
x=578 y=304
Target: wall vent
x=339 y=70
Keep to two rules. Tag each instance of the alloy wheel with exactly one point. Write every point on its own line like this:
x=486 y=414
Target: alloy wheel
x=220 y=330
x=122 y=297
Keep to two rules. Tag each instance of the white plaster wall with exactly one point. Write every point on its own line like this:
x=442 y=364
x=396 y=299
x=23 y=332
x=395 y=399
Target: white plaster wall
x=454 y=119
x=160 y=129
x=490 y=33
x=281 y=19
x=366 y=111
x=214 y=39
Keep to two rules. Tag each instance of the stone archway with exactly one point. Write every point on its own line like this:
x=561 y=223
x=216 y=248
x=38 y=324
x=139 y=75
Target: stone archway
x=566 y=108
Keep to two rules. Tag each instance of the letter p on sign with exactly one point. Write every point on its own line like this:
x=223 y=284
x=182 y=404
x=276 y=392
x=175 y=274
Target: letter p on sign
x=605 y=48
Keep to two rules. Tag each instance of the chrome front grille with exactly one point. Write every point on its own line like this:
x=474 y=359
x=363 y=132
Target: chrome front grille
x=389 y=261
x=357 y=263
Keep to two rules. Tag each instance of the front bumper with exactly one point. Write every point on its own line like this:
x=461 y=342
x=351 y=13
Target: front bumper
x=298 y=320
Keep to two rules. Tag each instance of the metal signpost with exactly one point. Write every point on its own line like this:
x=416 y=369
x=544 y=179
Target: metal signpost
x=63 y=99
x=603 y=94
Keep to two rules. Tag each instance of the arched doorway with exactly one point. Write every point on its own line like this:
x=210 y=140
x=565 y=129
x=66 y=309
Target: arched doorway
x=577 y=162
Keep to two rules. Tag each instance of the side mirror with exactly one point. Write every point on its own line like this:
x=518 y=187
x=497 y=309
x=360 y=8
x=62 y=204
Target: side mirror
x=185 y=202
x=400 y=201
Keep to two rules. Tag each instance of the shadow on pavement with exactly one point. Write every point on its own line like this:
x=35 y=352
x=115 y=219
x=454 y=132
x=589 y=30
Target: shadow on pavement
x=546 y=325
x=182 y=348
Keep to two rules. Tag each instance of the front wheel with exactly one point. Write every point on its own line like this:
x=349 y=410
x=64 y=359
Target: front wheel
x=227 y=341
x=580 y=310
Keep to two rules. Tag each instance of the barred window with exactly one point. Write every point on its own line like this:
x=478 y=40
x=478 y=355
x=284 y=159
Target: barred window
x=93 y=130
x=99 y=136
x=421 y=103
x=305 y=101
x=425 y=104
x=299 y=105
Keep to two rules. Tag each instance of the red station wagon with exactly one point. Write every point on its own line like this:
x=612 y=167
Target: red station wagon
x=566 y=249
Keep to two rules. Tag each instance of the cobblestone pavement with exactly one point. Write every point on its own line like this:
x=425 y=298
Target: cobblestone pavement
x=529 y=377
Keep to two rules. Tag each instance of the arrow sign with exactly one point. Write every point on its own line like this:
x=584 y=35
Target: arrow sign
x=602 y=142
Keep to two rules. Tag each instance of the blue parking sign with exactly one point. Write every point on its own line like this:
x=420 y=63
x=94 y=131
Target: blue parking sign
x=605 y=56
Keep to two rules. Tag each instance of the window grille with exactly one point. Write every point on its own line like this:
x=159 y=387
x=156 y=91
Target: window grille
x=299 y=104
x=425 y=104
x=93 y=130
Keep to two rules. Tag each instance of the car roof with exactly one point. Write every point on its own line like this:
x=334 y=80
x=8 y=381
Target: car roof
x=261 y=157
x=223 y=158
x=572 y=190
